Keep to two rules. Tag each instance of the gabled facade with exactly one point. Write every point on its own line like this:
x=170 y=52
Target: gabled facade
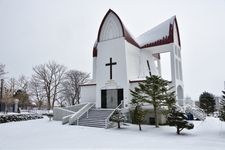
x=120 y=61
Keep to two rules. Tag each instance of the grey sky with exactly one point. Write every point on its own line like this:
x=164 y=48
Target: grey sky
x=33 y=32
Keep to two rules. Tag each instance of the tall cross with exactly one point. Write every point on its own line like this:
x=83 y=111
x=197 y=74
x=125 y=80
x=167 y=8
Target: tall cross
x=110 y=64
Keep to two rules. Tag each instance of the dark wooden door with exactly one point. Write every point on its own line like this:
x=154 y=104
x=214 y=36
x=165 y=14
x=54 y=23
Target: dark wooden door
x=120 y=95
x=103 y=99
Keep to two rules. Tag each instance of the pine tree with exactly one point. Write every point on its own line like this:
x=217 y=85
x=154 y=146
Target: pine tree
x=156 y=91
x=138 y=112
x=139 y=115
x=207 y=102
x=222 y=110
x=178 y=119
x=117 y=117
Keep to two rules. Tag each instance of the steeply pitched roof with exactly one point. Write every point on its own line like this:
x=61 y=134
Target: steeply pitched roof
x=126 y=33
x=159 y=35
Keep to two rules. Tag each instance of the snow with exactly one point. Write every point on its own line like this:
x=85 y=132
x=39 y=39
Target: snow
x=157 y=33
x=45 y=134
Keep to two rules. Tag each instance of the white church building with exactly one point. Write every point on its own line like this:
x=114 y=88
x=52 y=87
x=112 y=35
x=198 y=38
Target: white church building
x=121 y=61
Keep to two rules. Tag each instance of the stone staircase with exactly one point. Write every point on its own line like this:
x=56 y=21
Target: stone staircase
x=95 y=118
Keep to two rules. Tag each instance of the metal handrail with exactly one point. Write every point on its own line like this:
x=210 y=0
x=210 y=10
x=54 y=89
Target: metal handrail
x=107 y=119
x=84 y=113
x=65 y=119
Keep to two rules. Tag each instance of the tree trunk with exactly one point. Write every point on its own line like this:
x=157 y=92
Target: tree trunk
x=118 y=124
x=178 y=132
x=49 y=98
x=139 y=126
x=156 y=117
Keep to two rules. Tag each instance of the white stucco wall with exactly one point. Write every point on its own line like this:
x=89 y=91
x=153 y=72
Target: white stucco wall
x=88 y=94
x=111 y=28
x=175 y=34
x=114 y=49
x=94 y=69
x=133 y=61
x=146 y=54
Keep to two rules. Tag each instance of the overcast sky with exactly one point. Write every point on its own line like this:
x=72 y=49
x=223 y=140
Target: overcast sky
x=33 y=32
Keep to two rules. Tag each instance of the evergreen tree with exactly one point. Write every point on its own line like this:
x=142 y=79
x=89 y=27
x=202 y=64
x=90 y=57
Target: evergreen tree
x=178 y=119
x=155 y=90
x=117 y=117
x=223 y=96
x=138 y=112
x=23 y=97
x=222 y=110
x=169 y=102
x=207 y=102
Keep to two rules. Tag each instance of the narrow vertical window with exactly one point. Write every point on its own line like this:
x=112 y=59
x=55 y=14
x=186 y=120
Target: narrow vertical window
x=149 y=69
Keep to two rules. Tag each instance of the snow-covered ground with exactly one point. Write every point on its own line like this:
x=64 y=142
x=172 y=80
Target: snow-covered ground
x=45 y=134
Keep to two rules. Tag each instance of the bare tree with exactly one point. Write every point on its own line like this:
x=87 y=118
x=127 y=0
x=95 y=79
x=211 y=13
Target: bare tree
x=2 y=70
x=50 y=76
x=71 y=85
x=23 y=83
x=11 y=85
x=37 y=91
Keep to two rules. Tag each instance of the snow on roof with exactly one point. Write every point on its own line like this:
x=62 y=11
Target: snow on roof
x=157 y=33
x=137 y=80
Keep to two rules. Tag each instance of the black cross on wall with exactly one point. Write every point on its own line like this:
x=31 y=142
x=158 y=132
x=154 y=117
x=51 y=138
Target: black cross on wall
x=110 y=64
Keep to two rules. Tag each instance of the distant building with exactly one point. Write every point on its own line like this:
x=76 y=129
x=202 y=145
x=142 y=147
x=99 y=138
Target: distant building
x=218 y=100
x=189 y=101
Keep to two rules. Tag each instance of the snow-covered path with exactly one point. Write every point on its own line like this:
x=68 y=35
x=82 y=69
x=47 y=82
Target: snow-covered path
x=44 y=134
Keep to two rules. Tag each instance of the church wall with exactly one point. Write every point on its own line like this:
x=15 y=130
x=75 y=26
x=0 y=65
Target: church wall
x=146 y=55
x=175 y=34
x=88 y=94
x=133 y=60
x=131 y=87
x=161 y=48
x=111 y=28
x=94 y=69
x=114 y=49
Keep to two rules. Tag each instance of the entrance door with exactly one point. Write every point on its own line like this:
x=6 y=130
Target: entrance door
x=111 y=98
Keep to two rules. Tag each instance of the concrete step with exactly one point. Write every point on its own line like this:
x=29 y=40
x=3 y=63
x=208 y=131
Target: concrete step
x=96 y=118
x=93 y=125
x=91 y=122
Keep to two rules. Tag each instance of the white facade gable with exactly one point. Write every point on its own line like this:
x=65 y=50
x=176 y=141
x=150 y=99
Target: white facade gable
x=111 y=28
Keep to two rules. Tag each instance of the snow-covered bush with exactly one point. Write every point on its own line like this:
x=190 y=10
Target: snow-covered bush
x=118 y=117
x=19 y=117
